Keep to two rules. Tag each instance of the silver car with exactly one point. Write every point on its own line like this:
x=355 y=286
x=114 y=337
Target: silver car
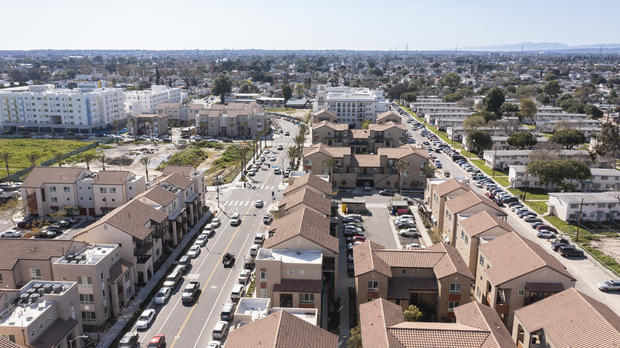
x=609 y=285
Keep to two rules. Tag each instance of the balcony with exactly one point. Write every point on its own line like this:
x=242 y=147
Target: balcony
x=142 y=259
x=142 y=249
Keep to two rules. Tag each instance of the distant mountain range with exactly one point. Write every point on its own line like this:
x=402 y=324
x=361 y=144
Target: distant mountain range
x=541 y=46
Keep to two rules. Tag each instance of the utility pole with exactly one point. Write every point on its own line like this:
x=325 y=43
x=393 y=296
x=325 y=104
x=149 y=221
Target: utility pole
x=579 y=220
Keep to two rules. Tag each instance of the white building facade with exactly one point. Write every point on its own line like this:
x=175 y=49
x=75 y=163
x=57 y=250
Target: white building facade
x=352 y=105
x=145 y=102
x=594 y=207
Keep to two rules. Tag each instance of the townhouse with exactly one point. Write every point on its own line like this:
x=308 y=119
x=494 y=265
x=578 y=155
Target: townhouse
x=383 y=325
x=235 y=120
x=544 y=116
x=324 y=115
x=440 y=193
x=592 y=207
x=503 y=159
x=389 y=116
x=42 y=314
x=360 y=140
x=501 y=142
x=603 y=179
x=513 y=272
x=49 y=189
x=306 y=198
x=463 y=206
x=566 y=319
x=436 y=279
x=148 y=124
x=458 y=132
x=374 y=170
x=309 y=181
x=177 y=113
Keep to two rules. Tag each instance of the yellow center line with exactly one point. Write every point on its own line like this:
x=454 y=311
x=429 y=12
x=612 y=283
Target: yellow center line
x=176 y=337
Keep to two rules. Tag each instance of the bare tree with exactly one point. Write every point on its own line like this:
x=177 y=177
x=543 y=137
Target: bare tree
x=33 y=157
x=6 y=157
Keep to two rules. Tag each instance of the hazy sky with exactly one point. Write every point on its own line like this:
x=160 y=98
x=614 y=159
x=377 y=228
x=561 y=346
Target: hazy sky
x=311 y=24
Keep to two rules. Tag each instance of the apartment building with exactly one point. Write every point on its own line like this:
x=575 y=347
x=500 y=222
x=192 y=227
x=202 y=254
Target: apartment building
x=603 y=179
x=251 y=309
x=105 y=281
x=566 y=319
x=545 y=116
x=429 y=188
x=145 y=102
x=503 y=159
x=463 y=206
x=324 y=115
x=148 y=124
x=49 y=189
x=477 y=229
x=189 y=172
x=42 y=108
x=501 y=142
x=352 y=105
x=440 y=193
x=374 y=170
x=290 y=278
x=360 y=140
x=306 y=198
x=309 y=181
x=281 y=329
x=383 y=325
x=589 y=127
x=458 y=132
x=594 y=207
x=513 y=272
x=435 y=279
x=233 y=120
x=389 y=116
x=177 y=113
x=42 y=314
x=443 y=122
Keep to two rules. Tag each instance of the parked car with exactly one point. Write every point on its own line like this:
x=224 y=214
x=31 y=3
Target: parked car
x=12 y=234
x=532 y=219
x=145 y=319
x=267 y=218
x=158 y=341
x=386 y=192
x=244 y=276
x=214 y=344
x=570 y=251
x=609 y=285
x=216 y=222
x=162 y=295
x=555 y=246
x=129 y=340
x=194 y=251
x=410 y=232
x=220 y=330
x=545 y=234
x=259 y=203
x=238 y=291
x=546 y=227
x=201 y=240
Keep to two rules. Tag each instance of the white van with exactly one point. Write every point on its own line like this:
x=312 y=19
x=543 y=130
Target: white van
x=173 y=278
x=254 y=249
x=220 y=330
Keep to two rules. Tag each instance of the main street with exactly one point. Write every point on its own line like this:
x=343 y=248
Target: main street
x=191 y=326
x=587 y=271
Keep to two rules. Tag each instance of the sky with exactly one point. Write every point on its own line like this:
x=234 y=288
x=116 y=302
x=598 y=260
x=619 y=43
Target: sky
x=311 y=24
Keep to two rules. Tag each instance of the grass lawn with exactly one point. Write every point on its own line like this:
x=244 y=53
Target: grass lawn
x=606 y=260
x=538 y=206
x=563 y=226
x=502 y=180
x=530 y=193
x=190 y=156
x=45 y=148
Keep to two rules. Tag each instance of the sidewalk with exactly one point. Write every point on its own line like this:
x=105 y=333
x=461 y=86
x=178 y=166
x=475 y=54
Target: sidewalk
x=421 y=228
x=115 y=331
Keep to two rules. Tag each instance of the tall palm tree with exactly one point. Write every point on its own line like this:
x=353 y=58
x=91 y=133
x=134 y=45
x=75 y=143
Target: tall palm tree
x=102 y=158
x=292 y=154
x=400 y=166
x=145 y=161
x=33 y=157
x=244 y=126
x=6 y=157
x=330 y=163
x=88 y=157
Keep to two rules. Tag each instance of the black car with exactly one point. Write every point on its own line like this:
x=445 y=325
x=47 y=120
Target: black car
x=386 y=192
x=570 y=251
x=555 y=246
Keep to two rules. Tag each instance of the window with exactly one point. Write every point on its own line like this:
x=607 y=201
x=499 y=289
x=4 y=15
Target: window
x=8 y=337
x=521 y=292
x=112 y=190
x=84 y=280
x=478 y=292
x=88 y=316
x=52 y=188
x=301 y=272
x=290 y=272
x=451 y=305
x=455 y=288
x=35 y=274
x=1 y=279
x=373 y=285
x=67 y=188
x=262 y=293
x=306 y=298
x=481 y=260
x=87 y=299
x=102 y=190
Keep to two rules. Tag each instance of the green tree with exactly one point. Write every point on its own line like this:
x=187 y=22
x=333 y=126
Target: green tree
x=412 y=313
x=452 y=97
x=145 y=161
x=300 y=90
x=552 y=88
x=522 y=140
x=355 y=339
x=429 y=170
x=292 y=153
x=509 y=109
x=494 y=100
x=568 y=137
x=593 y=111
x=366 y=123
x=33 y=158
x=287 y=92
x=222 y=86
x=473 y=122
x=608 y=143
x=559 y=171
x=528 y=109
x=89 y=157
x=409 y=97
x=478 y=141
x=6 y=157
x=102 y=158
x=570 y=104
x=452 y=80
x=400 y=166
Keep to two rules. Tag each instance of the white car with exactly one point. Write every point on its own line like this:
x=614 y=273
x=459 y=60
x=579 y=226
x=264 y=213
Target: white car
x=216 y=222
x=254 y=250
x=244 y=276
x=280 y=147
x=259 y=203
x=238 y=291
x=12 y=234
x=202 y=239
x=194 y=251
x=214 y=344
x=145 y=319
x=162 y=295
x=409 y=232
x=220 y=330
x=235 y=219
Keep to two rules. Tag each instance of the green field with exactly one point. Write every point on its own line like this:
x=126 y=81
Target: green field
x=19 y=149
x=530 y=193
x=538 y=206
x=190 y=156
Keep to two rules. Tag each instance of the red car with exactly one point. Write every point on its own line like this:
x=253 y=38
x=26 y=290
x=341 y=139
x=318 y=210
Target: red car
x=158 y=341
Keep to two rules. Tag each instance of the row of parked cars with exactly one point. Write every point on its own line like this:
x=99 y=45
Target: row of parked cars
x=50 y=229
x=354 y=230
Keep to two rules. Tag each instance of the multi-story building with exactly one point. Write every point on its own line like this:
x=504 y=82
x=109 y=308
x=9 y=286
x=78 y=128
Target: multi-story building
x=105 y=281
x=567 y=319
x=435 y=279
x=352 y=105
x=458 y=133
x=389 y=116
x=308 y=181
x=48 y=189
x=177 y=113
x=233 y=120
x=438 y=196
x=603 y=179
x=42 y=314
x=145 y=102
x=375 y=170
x=324 y=115
x=503 y=159
x=513 y=272
x=598 y=207
x=360 y=140
x=305 y=198
x=589 y=127
x=42 y=108
x=148 y=124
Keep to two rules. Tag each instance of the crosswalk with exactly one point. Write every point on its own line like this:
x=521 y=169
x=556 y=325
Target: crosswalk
x=263 y=186
x=237 y=203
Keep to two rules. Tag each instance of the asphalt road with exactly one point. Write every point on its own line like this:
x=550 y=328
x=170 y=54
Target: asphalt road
x=191 y=326
x=587 y=271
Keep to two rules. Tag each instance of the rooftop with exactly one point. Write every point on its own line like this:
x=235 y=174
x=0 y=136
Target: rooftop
x=32 y=302
x=88 y=256
x=588 y=197
x=291 y=256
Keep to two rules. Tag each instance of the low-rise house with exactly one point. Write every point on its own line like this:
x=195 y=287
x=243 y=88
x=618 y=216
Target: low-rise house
x=440 y=194
x=42 y=314
x=603 y=179
x=176 y=112
x=369 y=140
x=111 y=189
x=594 y=207
x=513 y=272
x=389 y=116
x=324 y=115
x=429 y=188
x=309 y=181
x=503 y=159
x=477 y=229
x=566 y=319
x=458 y=133
x=281 y=329
x=588 y=126
x=305 y=198
x=463 y=206
x=236 y=120
x=435 y=279
x=148 y=124
x=500 y=142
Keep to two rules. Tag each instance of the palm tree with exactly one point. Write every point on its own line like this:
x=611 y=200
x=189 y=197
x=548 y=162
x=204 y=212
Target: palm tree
x=400 y=166
x=102 y=158
x=330 y=163
x=428 y=170
x=33 y=157
x=244 y=126
x=292 y=154
x=88 y=157
x=145 y=161
x=6 y=156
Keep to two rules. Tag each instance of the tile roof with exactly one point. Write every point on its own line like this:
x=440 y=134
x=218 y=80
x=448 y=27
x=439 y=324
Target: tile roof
x=572 y=319
x=468 y=200
x=327 y=150
x=450 y=263
x=482 y=222
x=281 y=330
x=112 y=177
x=309 y=180
x=15 y=249
x=305 y=223
x=450 y=185
x=178 y=180
x=383 y=127
x=387 y=114
x=4 y=343
x=483 y=317
x=366 y=260
x=375 y=317
x=325 y=112
x=370 y=161
x=186 y=171
x=332 y=125
x=511 y=256
x=360 y=133
x=52 y=175
x=119 y=268
x=160 y=195
x=402 y=151
x=55 y=333
x=444 y=335
x=308 y=198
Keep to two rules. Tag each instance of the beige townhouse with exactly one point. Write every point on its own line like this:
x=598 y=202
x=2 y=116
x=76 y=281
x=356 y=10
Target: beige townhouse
x=324 y=115
x=361 y=141
x=440 y=194
x=111 y=189
x=312 y=182
x=235 y=120
x=306 y=198
x=464 y=205
x=389 y=116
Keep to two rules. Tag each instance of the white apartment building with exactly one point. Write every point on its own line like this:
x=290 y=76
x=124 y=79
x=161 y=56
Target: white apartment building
x=603 y=179
x=548 y=116
x=44 y=108
x=503 y=159
x=443 y=122
x=588 y=126
x=602 y=206
x=352 y=105
x=144 y=102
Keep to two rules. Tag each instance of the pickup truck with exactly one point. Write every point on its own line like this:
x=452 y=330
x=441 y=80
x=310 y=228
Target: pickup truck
x=190 y=293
